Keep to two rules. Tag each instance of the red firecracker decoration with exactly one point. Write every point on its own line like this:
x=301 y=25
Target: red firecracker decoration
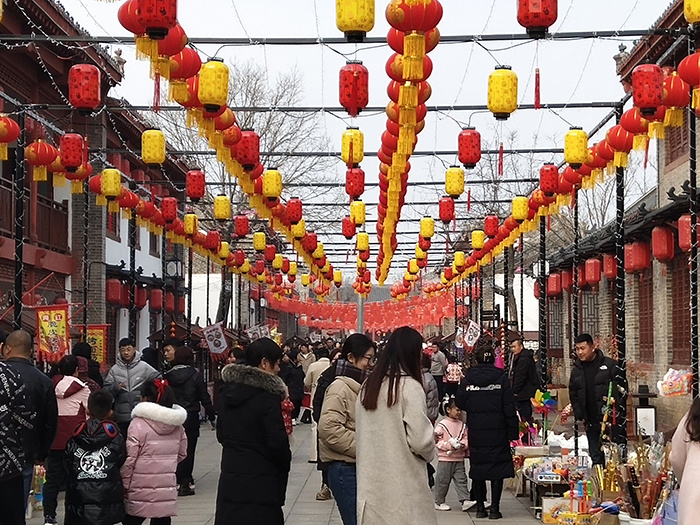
x=354 y=182
x=469 y=147
x=84 y=86
x=195 y=187
x=491 y=226
x=354 y=87
x=348 y=227
x=270 y=252
x=309 y=242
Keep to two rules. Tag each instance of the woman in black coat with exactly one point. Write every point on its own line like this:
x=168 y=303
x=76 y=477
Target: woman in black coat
x=292 y=374
x=191 y=394
x=256 y=457
x=487 y=398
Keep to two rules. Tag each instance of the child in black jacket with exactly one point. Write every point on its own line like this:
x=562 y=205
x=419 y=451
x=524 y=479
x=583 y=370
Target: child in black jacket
x=94 y=492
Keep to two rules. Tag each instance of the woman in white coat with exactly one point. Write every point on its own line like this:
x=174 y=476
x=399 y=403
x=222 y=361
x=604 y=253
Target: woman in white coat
x=685 y=459
x=394 y=438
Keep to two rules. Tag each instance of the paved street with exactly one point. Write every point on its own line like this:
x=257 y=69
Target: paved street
x=304 y=481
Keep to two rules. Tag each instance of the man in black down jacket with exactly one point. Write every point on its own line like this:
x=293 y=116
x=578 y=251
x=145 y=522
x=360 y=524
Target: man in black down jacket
x=524 y=378
x=492 y=423
x=588 y=389
x=256 y=457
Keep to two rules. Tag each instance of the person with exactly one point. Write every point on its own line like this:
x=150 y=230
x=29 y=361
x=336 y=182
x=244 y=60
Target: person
x=83 y=371
x=310 y=383
x=452 y=449
x=72 y=399
x=685 y=460
x=83 y=349
x=336 y=426
x=589 y=384
x=124 y=381
x=293 y=376
x=156 y=442
x=330 y=345
x=94 y=454
x=431 y=390
x=256 y=456
x=306 y=357
x=16 y=417
x=492 y=423
x=191 y=394
x=437 y=369
x=170 y=344
x=394 y=437
x=150 y=355
x=524 y=378
x=453 y=375
x=41 y=399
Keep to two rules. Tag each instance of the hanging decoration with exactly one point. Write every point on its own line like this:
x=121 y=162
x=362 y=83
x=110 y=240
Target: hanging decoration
x=40 y=155
x=537 y=16
x=355 y=18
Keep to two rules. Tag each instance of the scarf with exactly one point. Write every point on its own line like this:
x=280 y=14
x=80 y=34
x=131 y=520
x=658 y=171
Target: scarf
x=343 y=367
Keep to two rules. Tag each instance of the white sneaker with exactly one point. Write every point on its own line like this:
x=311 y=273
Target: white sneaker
x=442 y=506
x=294 y=422
x=466 y=505
x=487 y=504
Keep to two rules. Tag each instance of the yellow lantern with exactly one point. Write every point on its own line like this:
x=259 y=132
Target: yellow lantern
x=362 y=241
x=576 y=147
x=355 y=18
x=521 y=208
x=272 y=184
x=337 y=276
x=259 y=241
x=153 y=147
x=299 y=230
x=261 y=278
x=245 y=267
x=503 y=92
x=278 y=261
x=460 y=259
x=353 y=148
x=413 y=267
x=326 y=267
x=454 y=181
x=420 y=253
x=222 y=208
x=111 y=184
x=478 y=239
x=191 y=223
x=357 y=212
x=691 y=10
x=213 y=84
x=224 y=250
x=318 y=252
x=305 y=279
x=293 y=268
x=427 y=227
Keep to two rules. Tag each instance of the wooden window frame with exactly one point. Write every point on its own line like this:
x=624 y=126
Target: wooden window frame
x=680 y=310
x=646 y=316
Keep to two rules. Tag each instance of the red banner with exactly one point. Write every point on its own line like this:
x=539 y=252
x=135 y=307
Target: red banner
x=52 y=332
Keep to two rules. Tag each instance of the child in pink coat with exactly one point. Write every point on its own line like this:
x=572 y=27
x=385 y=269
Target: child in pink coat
x=155 y=444
x=452 y=449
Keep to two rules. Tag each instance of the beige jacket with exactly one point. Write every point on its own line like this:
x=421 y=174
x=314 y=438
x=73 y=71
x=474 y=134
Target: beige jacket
x=336 y=426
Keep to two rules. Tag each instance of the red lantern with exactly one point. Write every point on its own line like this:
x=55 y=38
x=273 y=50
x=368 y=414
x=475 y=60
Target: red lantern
x=581 y=271
x=567 y=280
x=363 y=255
x=491 y=226
x=309 y=242
x=689 y=71
x=174 y=42
x=592 y=269
x=684 y=238
x=39 y=154
x=407 y=15
x=71 y=149
x=355 y=183
x=185 y=64
x=260 y=267
x=124 y=299
x=248 y=149
x=549 y=179
x=213 y=241
x=168 y=208
x=648 y=88
x=238 y=258
x=447 y=209
x=294 y=210
x=128 y=17
x=394 y=68
x=622 y=141
x=354 y=87
x=225 y=120
x=637 y=257
x=536 y=16
x=155 y=300
x=113 y=290
x=536 y=289
x=157 y=16
x=571 y=176
x=231 y=135
x=195 y=185
x=554 y=285
x=424 y=243
x=241 y=225
x=9 y=132
x=170 y=303
x=662 y=244
x=676 y=98
x=469 y=147
x=181 y=304
x=609 y=266
x=270 y=252
x=348 y=227
x=140 y=297
x=84 y=86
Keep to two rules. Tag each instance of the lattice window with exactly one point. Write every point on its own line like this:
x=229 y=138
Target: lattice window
x=646 y=317
x=680 y=295
x=676 y=143
x=555 y=328
x=588 y=315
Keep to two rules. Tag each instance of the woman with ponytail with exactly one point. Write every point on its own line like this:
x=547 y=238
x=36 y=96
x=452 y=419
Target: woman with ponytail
x=155 y=444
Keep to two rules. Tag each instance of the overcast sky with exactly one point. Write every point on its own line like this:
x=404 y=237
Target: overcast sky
x=572 y=71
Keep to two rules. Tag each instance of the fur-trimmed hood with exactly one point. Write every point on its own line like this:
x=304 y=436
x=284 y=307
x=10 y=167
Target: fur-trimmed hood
x=162 y=419
x=242 y=382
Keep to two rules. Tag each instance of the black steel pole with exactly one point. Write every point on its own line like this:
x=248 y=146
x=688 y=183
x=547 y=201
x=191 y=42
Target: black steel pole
x=541 y=278
x=206 y=322
x=86 y=244
x=481 y=301
x=522 y=287
x=19 y=222
x=189 y=296
x=494 y=321
x=574 y=274
x=239 y=292
x=506 y=286
x=692 y=154
x=133 y=232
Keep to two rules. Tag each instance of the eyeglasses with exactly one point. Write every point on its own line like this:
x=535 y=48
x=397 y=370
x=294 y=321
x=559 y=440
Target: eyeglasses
x=370 y=358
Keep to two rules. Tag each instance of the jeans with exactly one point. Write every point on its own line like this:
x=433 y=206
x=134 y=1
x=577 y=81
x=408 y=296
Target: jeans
x=11 y=507
x=56 y=477
x=342 y=479
x=186 y=466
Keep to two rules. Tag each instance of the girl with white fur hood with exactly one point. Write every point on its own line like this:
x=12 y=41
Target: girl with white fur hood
x=155 y=444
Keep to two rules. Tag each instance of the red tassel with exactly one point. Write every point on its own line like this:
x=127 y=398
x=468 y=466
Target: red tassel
x=646 y=155
x=156 y=92
x=500 y=160
x=549 y=223
x=469 y=200
x=573 y=198
x=537 y=89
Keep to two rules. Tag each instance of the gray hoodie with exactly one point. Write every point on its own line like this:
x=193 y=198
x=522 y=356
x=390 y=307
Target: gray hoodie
x=133 y=375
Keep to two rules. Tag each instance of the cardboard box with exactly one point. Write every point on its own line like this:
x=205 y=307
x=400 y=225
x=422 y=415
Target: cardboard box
x=551 y=507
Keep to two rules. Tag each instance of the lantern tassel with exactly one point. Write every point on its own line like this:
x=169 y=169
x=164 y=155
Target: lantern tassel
x=407 y=116
x=101 y=200
x=696 y=98
x=469 y=200
x=177 y=91
x=407 y=135
x=620 y=160
x=656 y=130
x=59 y=180
x=674 y=118
x=76 y=187
x=640 y=141
x=408 y=96
x=500 y=160
x=549 y=223
x=646 y=155
x=537 y=88
x=414 y=53
x=3 y=150
x=113 y=207
x=146 y=48
x=39 y=173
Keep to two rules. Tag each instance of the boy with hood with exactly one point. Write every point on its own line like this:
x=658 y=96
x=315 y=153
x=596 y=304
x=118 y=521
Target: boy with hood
x=94 y=491
x=124 y=381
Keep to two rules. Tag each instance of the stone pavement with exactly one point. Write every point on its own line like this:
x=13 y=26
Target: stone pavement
x=304 y=481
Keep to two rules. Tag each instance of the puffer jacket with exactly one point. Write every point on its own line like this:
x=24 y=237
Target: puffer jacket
x=133 y=375
x=72 y=399
x=336 y=427
x=190 y=389
x=606 y=370
x=525 y=378
x=432 y=397
x=155 y=444
x=445 y=430
x=94 y=491
x=16 y=417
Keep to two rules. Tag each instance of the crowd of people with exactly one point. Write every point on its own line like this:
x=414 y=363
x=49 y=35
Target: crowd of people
x=123 y=446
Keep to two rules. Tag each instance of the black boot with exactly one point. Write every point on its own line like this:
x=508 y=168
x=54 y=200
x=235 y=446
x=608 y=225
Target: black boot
x=496 y=491
x=479 y=488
